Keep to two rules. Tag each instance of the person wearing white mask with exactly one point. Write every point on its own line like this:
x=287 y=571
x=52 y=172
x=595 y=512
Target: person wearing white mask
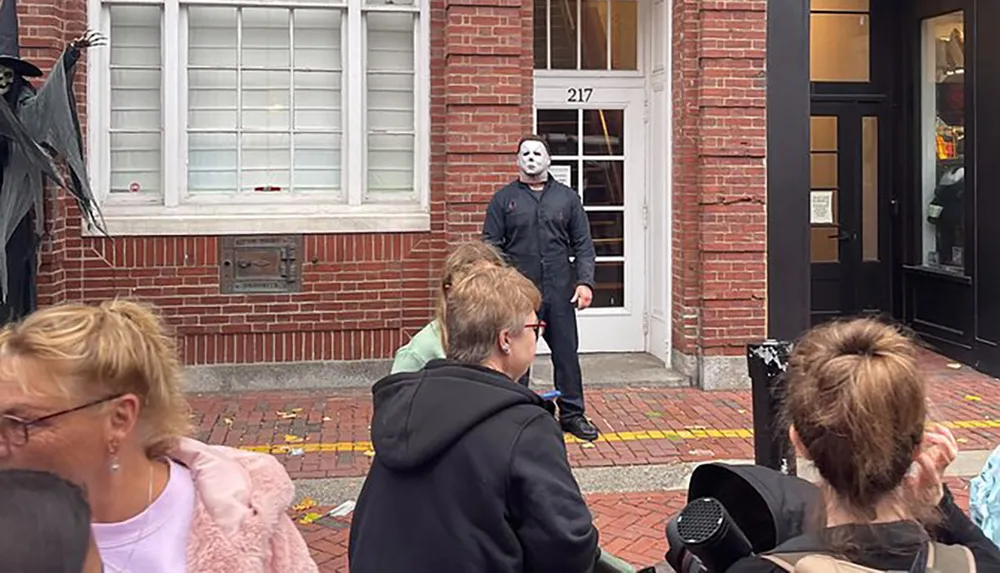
x=539 y=224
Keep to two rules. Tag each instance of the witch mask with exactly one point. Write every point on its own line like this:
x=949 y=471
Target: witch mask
x=533 y=160
x=6 y=79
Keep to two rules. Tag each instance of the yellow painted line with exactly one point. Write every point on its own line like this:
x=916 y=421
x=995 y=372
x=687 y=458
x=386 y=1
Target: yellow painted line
x=611 y=437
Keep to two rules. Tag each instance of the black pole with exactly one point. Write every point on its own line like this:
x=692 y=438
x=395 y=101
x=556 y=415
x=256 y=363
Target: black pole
x=787 y=164
x=767 y=363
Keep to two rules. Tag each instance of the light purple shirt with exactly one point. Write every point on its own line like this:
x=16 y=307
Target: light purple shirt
x=155 y=541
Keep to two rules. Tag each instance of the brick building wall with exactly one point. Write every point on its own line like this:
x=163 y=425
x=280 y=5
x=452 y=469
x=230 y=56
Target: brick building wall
x=719 y=227
x=362 y=294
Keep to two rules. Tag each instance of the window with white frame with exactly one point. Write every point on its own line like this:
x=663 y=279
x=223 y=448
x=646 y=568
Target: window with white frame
x=236 y=109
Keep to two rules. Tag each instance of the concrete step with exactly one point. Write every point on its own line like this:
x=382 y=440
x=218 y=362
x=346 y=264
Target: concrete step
x=627 y=369
x=598 y=370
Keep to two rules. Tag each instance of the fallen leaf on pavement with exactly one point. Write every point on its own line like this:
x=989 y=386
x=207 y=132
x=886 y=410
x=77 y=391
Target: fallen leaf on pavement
x=227 y=421
x=309 y=518
x=306 y=503
x=954 y=365
x=587 y=445
x=654 y=414
x=287 y=415
x=369 y=453
x=972 y=398
x=291 y=439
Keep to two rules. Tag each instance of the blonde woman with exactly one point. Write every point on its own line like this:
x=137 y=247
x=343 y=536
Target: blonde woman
x=429 y=343
x=93 y=394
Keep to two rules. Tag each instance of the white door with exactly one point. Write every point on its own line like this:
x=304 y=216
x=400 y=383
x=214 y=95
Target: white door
x=596 y=130
x=658 y=159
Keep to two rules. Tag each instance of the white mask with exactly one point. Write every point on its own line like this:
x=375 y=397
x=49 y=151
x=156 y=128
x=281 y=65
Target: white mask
x=533 y=160
x=6 y=79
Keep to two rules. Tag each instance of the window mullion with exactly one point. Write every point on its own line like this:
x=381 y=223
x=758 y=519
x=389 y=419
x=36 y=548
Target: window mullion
x=356 y=80
x=103 y=106
x=170 y=103
x=239 y=100
x=609 y=6
x=291 y=101
x=548 y=34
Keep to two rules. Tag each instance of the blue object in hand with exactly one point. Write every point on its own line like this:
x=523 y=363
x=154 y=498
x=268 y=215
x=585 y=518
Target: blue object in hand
x=551 y=395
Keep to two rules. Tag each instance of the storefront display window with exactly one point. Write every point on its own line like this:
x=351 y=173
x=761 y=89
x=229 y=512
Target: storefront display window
x=942 y=111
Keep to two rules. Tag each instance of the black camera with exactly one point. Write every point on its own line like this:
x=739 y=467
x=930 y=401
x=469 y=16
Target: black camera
x=736 y=511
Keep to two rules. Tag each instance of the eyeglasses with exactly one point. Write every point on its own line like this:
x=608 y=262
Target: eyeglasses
x=538 y=327
x=14 y=430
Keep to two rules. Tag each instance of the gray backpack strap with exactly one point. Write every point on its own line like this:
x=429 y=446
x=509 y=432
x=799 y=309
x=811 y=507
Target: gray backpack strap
x=943 y=558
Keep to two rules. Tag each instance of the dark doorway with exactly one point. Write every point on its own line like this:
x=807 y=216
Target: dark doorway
x=849 y=168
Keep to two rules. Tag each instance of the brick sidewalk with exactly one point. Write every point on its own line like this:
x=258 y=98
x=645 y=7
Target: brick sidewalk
x=318 y=435
x=631 y=526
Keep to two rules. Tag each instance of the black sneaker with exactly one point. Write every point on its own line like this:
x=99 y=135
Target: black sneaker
x=581 y=428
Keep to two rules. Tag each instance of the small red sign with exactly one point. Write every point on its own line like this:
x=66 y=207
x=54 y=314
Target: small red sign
x=133 y=187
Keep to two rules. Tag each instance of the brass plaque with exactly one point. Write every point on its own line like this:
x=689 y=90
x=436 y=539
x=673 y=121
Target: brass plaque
x=260 y=264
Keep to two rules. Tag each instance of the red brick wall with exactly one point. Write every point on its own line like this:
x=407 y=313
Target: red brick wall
x=719 y=227
x=362 y=294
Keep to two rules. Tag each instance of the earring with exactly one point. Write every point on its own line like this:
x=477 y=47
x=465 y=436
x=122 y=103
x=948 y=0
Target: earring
x=506 y=349
x=115 y=462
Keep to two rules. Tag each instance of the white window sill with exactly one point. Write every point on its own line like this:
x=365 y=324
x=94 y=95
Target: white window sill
x=191 y=220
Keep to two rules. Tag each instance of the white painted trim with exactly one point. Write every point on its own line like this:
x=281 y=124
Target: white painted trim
x=185 y=220
x=668 y=65
x=177 y=213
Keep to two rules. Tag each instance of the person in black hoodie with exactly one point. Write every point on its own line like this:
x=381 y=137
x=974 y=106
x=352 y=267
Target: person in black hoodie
x=857 y=408
x=470 y=471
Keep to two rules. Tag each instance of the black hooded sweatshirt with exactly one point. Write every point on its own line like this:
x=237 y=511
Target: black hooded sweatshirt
x=470 y=474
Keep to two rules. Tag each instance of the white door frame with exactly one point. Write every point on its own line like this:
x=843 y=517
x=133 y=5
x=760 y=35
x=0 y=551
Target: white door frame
x=587 y=90
x=659 y=182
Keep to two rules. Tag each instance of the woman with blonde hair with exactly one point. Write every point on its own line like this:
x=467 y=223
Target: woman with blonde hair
x=856 y=404
x=430 y=343
x=93 y=394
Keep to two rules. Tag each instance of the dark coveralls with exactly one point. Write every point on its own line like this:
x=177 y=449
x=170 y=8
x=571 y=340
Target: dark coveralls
x=539 y=231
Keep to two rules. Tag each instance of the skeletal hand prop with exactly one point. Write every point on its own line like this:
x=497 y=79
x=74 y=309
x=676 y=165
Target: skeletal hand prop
x=89 y=39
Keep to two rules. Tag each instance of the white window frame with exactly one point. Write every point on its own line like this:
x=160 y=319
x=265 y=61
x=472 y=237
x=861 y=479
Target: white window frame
x=178 y=215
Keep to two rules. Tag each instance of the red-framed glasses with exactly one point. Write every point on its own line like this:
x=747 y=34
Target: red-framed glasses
x=538 y=327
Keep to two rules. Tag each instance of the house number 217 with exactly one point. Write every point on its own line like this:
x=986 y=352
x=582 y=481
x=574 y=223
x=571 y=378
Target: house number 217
x=579 y=95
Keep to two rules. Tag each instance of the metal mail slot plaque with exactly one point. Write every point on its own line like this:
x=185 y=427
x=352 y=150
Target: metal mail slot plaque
x=260 y=264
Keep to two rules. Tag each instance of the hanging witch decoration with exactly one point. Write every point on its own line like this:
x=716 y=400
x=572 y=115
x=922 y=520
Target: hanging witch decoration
x=39 y=128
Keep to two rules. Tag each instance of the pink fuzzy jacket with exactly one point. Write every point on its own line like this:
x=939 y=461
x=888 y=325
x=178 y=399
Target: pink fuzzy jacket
x=240 y=522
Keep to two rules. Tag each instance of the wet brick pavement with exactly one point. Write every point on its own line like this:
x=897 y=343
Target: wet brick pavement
x=631 y=526
x=320 y=435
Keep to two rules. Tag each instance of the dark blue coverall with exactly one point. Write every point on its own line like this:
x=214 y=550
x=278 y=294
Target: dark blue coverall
x=538 y=231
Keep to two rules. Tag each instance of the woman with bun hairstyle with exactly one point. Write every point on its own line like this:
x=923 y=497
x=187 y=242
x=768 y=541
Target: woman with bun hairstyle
x=93 y=394
x=430 y=343
x=856 y=405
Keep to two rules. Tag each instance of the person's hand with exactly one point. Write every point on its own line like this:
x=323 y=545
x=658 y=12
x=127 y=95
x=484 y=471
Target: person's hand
x=582 y=297
x=89 y=39
x=937 y=451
